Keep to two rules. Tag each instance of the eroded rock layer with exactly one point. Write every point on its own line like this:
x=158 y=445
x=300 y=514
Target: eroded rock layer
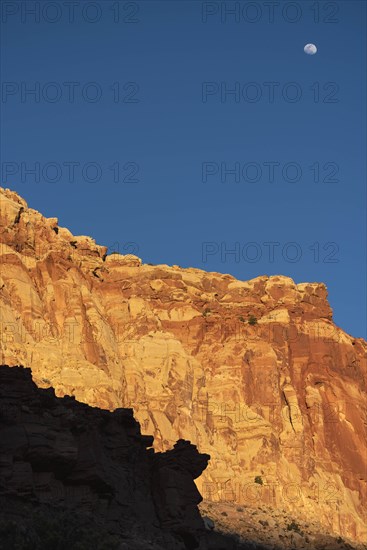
x=278 y=403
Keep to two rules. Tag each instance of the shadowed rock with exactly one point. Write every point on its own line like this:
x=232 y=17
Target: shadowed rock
x=62 y=455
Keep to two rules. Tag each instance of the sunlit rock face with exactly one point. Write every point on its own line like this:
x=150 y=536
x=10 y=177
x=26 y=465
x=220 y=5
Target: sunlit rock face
x=282 y=400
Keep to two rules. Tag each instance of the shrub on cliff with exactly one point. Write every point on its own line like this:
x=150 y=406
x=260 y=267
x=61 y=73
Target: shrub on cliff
x=293 y=526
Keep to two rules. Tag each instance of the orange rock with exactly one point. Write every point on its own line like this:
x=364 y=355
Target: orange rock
x=282 y=401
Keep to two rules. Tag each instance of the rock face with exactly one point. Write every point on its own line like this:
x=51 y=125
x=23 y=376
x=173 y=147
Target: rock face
x=281 y=401
x=64 y=455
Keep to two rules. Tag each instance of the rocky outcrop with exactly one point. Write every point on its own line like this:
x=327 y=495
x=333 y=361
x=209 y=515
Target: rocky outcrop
x=66 y=456
x=175 y=495
x=282 y=400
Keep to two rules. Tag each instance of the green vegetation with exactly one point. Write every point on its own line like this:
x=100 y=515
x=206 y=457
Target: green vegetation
x=259 y=480
x=206 y=312
x=252 y=320
x=242 y=319
x=293 y=526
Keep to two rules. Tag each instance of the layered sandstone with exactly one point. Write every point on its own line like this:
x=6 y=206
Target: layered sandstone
x=282 y=401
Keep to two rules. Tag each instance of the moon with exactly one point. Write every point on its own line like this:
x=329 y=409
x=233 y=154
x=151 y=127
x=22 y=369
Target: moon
x=310 y=49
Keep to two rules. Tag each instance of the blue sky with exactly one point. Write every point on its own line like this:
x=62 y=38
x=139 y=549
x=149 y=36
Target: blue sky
x=144 y=97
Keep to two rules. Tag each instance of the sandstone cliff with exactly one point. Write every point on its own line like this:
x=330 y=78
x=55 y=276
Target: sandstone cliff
x=282 y=402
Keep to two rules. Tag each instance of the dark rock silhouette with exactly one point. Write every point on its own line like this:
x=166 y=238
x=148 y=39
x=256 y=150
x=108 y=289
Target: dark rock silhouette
x=60 y=454
x=73 y=476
